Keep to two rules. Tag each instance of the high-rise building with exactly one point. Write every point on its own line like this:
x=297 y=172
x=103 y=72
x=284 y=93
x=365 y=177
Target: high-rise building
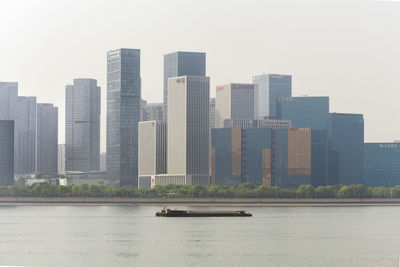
x=227 y=158
x=152 y=112
x=291 y=157
x=188 y=130
x=346 y=141
x=123 y=115
x=271 y=87
x=61 y=159
x=180 y=64
x=103 y=162
x=258 y=152
x=6 y=152
x=82 y=126
x=47 y=138
x=8 y=100
x=25 y=135
x=212 y=113
x=381 y=164
x=310 y=112
x=152 y=151
x=262 y=123
x=236 y=101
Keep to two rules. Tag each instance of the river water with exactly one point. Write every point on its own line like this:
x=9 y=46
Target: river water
x=133 y=236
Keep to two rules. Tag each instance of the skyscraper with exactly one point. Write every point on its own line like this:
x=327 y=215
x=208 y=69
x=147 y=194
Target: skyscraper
x=310 y=112
x=271 y=87
x=188 y=129
x=180 y=64
x=123 y=115
x=346 y=141
x=47 y=138
x=212 y=113
x=236 y=101
x=8 y=100
x=82 y=126
x=6 y=152
x=153 y=112
x=152 y=151
x=61 y=159
x=25 y=135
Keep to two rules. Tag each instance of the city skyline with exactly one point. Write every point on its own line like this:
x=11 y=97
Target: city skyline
x=316 y=65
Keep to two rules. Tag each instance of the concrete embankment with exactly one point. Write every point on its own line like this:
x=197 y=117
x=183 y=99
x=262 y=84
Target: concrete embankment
x=197 y=201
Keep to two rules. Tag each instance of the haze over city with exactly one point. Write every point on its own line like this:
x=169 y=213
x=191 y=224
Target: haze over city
x=347 y=50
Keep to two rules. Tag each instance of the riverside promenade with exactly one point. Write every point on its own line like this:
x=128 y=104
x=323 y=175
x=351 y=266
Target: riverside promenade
x=201 y=201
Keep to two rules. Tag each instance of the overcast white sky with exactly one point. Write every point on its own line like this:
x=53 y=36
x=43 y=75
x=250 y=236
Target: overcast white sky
x=348 y=50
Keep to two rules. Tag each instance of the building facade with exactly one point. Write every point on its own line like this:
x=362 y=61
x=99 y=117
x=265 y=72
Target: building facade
x=61 y=159
x=25 y=135
x=236 y=101
x=6 y=152
x=82 y=126
x=182 y=64
x=310 y=112
x=123 y=115
x=212 y=113
x=346 y=148
x=152 y=152
x=8 y=100
x=381 y=164
x=153 y=112
x=47 y=138
x=271 y=87
x=188 y=128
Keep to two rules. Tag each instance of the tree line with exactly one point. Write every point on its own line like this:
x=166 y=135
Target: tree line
x=245 y=190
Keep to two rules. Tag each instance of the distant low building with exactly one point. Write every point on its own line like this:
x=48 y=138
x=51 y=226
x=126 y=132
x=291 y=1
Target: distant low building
x=381 y=164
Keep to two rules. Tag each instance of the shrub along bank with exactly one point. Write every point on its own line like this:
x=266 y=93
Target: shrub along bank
x=245 y=190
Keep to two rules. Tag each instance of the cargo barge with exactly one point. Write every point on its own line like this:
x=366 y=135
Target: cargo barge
x=202 y=213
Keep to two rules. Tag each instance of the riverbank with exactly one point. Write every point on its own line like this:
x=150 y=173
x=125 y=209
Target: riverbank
x=200 y=201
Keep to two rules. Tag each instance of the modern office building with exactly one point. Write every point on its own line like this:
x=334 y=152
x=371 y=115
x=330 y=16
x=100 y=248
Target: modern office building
x=310 y=112
x=103 y=162
x=6 y=152
x=258 y=155
x=47 y=139
x=152 y=112
x=152 y=152
x=182 y=64
x=188 y=130
x=227 y=158
x=236 y=101
x=123 y=115
x=8 y=100
x=306 y=111
x=82 y=126
x=271 y=87
x=381 y=164
x=291 y=157
x=25 y=135
x=346 y=148
x=212 y=113
x=61 y=159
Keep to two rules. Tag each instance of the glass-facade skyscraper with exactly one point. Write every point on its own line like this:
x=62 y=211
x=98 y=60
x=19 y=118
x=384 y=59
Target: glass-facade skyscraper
x=271 y=87
x=312 y=112
x=123 y=115
x=82 y=126
x=47 y=138
x=6 y=152
x=181 y=64
x=346 y=151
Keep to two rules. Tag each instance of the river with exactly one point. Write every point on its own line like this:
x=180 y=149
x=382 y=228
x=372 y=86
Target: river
x=133 y=236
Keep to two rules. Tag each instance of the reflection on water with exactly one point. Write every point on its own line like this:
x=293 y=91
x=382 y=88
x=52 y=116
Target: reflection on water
x=133 y=236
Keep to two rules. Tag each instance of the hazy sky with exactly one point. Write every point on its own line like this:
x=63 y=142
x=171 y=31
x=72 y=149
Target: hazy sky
x=348 y=50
